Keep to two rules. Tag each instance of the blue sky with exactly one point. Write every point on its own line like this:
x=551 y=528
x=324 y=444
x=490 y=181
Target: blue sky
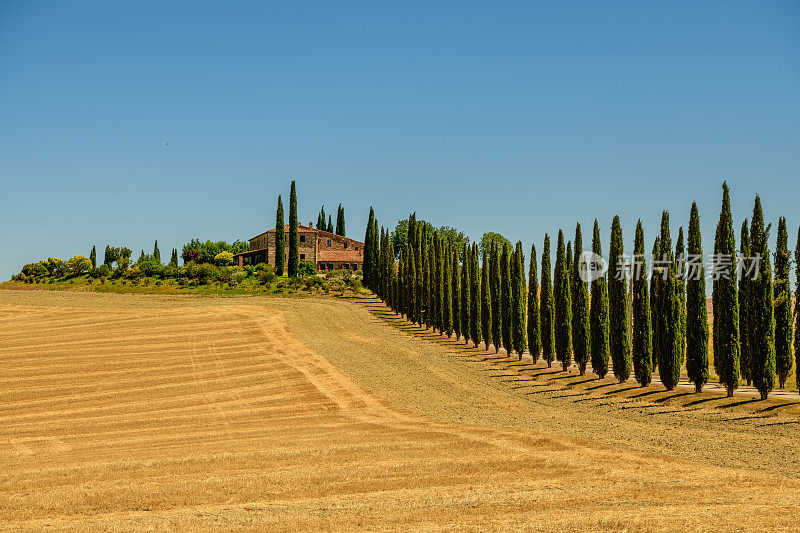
x=515 y=117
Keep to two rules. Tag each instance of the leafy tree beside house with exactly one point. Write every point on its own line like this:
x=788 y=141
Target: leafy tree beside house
x=491 y=237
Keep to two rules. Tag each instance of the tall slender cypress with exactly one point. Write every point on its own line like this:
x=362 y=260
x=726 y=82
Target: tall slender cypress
x=456 y=290
x=534 y=329
x=745 y=263
x=411 y=292
x=654 y=286
x=486 y=301
x=518 y=333
x=321 y=219
x=374 y=244
x=680 y=287
x=340 y=230
x=173 y=261
x=93 y=256
x=725 y=301
x=797 y=311
x=426 y=278
x=392 y=279
x=598 y=314
x=280 y=239
x=619 y=342
x=156 y=253
x=562 y=299
x=696 y=312
x=294 y=240
x=505 y=297
x=641 y=340
x=546 y=307
x=762 y=313
x=401 y=282
x=329 y=229
x=497 y=298
x=475 y=297
x=580 y=305
x=439 y=290
x=447 y=290
x=667 y=324
x=783 y=306
x=367 y=266
x=466 y=304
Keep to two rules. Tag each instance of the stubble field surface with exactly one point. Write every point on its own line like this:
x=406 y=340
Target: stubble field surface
x=185 y=413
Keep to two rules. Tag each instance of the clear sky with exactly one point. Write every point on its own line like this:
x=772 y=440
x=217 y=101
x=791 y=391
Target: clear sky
x=515 y=117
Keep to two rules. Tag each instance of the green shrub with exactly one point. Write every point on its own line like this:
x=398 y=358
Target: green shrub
x=266 y=275
x=306 y=268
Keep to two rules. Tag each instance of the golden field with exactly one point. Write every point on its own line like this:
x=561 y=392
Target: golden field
x=183 y=413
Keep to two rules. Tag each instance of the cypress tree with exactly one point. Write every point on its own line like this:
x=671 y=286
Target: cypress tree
x=680 y=283
x=546 y=307
x=518 y=289
x=401 y=305
x=374 y=244
x=367 y=266
x=534 y=331
x=392 y=279
x=475 y=318
x=174 y=259
x=619 y=342
x=486 y=302
x=93 y=256
x=419 y=262
x=456 y=290
x=280 y=239
x=725 y=301
x=294 y=239
x=667 y=330
x=466 y=304
x=744 y=304
x=505 y=297
x=642 y=329
x=426 y=279
x=580 y=305
x=447 y=290
x=156 y=253
x=696 y=312
x=562 y=327
x=496 y=293
x=321 y=219
x=340 y=221
x=438 y=281
x=654 y=281
x=598 y=315
x=330 y=225
x=107 y=257
x=783 y=306
x=412 y=286
x=762 y=313
x=797 y=311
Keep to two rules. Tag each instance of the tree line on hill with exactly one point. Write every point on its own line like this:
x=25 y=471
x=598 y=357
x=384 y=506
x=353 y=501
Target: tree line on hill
x=618 y=320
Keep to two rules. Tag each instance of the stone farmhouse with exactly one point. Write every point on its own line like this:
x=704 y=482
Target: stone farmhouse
x=327 y=250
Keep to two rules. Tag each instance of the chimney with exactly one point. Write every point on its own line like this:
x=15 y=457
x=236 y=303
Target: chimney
x=311 y=225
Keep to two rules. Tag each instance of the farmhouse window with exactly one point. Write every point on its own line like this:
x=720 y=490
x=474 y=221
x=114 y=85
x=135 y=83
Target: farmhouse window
x=302 y=238
x=302 y=256
x=345 y=245
x=329 y=242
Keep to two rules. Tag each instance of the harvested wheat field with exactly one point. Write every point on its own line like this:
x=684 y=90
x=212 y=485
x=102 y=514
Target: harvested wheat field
x=186 y=413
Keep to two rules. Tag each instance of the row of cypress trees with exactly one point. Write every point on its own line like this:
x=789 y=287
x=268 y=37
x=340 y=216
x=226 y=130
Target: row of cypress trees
x=662 y=324
x=328 y=226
